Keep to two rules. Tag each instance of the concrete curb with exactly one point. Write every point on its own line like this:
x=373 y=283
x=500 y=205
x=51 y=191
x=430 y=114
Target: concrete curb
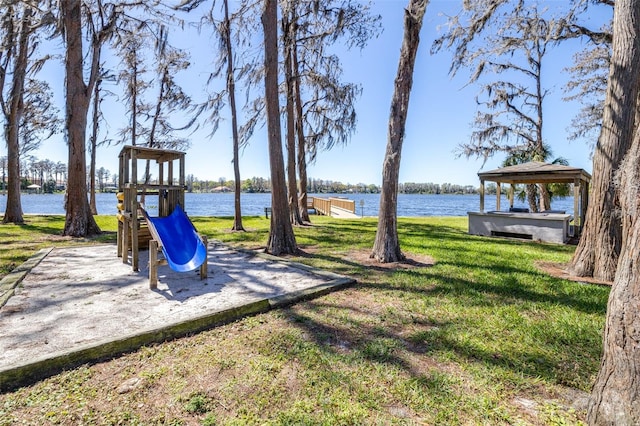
x=9 y=283
x=29 y=372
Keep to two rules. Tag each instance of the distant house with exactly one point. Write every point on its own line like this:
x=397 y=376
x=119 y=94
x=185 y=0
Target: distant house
x=33 y=188
x=220 y=189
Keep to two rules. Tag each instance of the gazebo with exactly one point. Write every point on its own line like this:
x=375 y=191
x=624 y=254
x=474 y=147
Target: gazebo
x=550 y=225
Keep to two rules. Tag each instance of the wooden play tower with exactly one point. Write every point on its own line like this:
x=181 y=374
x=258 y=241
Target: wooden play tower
x=165 y=184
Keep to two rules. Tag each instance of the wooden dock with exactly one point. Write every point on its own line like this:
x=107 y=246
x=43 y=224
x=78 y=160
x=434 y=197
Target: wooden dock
x=341 y=208
x=343 y=214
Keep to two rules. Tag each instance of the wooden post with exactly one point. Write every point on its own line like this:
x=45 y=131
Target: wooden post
x=577 y=214
x=498 y=196
x=119 y=235
x=162 y=203
x=153 y=264
x=182 y=182
x=584 y=204
x=122 y=176
x=512 y=190
x=580 y=203
x=125 y=240
x=205 y=265
x=124 y=170
x=134 y=210
x=482 y=196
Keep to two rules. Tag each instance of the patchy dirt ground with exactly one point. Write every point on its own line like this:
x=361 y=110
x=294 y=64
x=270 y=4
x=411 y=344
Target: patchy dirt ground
x=559 y=270
x=412 y=261
x=363 y=258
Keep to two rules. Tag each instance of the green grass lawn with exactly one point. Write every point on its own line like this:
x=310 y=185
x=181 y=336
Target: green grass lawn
x=480 y=337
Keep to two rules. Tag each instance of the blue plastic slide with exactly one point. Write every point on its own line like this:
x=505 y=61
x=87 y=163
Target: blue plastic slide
x=181 y=245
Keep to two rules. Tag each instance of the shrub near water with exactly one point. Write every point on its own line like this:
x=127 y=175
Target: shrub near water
x=481 y=337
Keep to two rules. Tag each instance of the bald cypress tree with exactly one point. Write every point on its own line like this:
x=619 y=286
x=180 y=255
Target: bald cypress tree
x=79 y=221
x=601 y=241
x=386 y=247
x=16 y=20
x=25 y=102
x=281 y=238
x=615 y=397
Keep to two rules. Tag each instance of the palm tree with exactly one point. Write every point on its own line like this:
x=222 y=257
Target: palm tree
x=539 y=196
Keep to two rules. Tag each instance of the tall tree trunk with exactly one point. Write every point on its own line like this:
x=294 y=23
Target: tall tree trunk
x=231 y=90
x=386 y=247
x=94 y=144
x=599 y=247
x=281 y=238
x=541 y=154
x=302 y=148
x=532 y=192
x=79 y=221
x=152 y=143
x=134 y=101
x=545 y=197
x=292 y=186
x=13 y=209
x=615 y=397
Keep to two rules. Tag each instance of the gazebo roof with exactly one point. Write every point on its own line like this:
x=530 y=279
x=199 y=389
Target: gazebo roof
x=535 y=172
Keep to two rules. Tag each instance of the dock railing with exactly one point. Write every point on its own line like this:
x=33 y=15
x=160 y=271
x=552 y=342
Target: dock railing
x=324 y=206
x=343 y=203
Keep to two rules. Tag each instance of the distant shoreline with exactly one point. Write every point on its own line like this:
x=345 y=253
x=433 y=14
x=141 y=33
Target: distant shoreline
x=253 y=204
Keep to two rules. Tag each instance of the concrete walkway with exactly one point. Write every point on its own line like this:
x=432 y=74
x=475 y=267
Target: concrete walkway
x=80 y=305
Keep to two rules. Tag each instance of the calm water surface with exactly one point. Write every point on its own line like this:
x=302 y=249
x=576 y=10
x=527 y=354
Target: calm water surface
x=221 y=204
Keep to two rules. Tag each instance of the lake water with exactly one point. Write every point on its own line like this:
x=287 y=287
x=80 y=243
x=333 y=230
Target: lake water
x=221 y=204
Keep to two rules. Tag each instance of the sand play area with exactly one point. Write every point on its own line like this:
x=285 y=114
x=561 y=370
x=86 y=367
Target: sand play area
x=80 y=305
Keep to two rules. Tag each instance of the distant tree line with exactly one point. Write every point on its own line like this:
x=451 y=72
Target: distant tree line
x=320 y=186
x=51 y=176
x=434 y=188
x=48 y=174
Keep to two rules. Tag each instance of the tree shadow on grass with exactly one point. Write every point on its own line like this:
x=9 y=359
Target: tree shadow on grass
x=490 y=285
x=45 y=224
x=53 y=225
x=339 y=328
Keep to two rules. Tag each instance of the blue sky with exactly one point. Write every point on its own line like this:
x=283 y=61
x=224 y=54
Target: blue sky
x=440 y=114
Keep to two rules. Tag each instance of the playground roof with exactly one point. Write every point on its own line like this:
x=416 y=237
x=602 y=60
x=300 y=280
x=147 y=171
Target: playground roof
x=536 y=172
x=145 y=153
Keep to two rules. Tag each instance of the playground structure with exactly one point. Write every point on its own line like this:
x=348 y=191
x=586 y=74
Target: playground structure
x=171 y=233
